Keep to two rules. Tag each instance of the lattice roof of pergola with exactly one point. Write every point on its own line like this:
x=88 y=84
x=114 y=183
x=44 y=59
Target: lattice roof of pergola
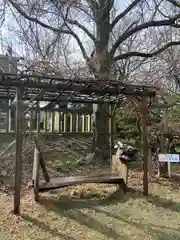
x=56 y=89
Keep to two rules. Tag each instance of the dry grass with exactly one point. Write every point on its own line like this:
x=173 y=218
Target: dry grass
x=96 y=212
x=92 y=212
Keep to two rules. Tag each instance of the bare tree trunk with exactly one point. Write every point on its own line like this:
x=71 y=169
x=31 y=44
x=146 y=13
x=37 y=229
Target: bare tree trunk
x=102 y=64
x=101 y=131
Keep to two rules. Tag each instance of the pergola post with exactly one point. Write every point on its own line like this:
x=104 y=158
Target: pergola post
x=10 y=118
x=164 y=167
x=143 y=108
x=38 y=117
x=19 y=142
x=110 y=134
x=7 y=116
x=112 y=129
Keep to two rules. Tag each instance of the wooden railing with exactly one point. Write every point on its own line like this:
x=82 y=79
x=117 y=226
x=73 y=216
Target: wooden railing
x=58 y=120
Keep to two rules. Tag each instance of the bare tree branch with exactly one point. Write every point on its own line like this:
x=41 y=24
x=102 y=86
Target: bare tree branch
x=123 y=37
x=146 y=55
x=66 y=28
x=124 y=13
x=33 y=19
x=56 y=30
x=83 y=28
x=82 y=48
x=94 y=7
x=52 y=45
x=175 y=3
x=76 y=37
x=132 y=24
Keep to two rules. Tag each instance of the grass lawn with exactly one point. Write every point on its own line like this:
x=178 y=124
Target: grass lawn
x=96 y=212
x=92 y=211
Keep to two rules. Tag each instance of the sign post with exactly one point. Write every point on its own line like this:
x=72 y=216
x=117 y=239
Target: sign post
x=169 y=158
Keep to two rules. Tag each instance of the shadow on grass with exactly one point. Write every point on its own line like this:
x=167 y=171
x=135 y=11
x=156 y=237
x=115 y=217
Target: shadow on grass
x=173 y=182
x=67 y=203
x=82 y=219
x=116 y=197
x=72 y=210
x=156 y=200
x=133 y=223
x=159 y=231
x=92 y=223
x=54 y=232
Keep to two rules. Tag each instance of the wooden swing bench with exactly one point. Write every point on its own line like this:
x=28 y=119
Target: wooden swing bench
x=118 y=175
x=61 y=182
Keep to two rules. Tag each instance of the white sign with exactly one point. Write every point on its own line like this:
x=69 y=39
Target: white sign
x=172 y=158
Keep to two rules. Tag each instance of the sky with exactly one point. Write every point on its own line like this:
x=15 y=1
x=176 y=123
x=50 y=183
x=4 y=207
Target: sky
x=7 y=36
x=120 y=5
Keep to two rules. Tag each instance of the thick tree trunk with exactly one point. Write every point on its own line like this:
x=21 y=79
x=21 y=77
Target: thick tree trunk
x=102 y=66
x=101 y=131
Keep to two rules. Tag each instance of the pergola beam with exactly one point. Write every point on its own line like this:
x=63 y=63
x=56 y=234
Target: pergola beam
x=114 y=91
x=67 y=99
x=60 y=85
x=77 y=80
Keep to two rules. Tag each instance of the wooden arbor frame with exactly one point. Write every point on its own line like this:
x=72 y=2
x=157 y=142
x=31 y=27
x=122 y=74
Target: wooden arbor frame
x=56 y=90
x=116 y=177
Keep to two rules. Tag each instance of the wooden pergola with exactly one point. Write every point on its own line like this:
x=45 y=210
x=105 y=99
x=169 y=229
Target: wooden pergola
x=57 y=90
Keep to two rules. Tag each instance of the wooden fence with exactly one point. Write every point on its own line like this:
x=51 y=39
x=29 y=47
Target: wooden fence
x=58 y=120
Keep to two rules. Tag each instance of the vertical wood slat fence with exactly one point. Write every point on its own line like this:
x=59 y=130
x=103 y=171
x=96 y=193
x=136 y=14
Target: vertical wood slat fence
x=66 y=121
x=58 y=120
